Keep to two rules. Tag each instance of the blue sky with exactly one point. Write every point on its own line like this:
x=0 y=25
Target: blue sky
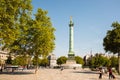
x=92 y=19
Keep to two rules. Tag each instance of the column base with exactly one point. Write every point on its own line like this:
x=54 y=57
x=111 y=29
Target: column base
x=71 y=56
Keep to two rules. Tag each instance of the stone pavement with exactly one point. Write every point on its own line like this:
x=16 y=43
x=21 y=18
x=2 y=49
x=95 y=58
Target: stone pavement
x=54 y=74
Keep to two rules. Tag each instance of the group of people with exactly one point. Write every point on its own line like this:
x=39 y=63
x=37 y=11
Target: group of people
x=111 y=76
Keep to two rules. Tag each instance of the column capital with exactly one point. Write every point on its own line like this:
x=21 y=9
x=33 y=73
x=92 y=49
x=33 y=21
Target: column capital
x=71 y=24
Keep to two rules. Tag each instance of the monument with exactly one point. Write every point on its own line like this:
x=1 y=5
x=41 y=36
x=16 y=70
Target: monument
x=71 y=63
x=71 y=55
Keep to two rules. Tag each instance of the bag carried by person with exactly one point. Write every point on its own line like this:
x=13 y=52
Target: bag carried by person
x=113 y=76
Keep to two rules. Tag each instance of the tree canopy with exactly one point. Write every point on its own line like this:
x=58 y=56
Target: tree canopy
x=114 y=62
x=61 y=60
x=12 y=14
x=79 y=60
x=23 y=34
x=111 y=42
x=20 y=60
x=99 y=60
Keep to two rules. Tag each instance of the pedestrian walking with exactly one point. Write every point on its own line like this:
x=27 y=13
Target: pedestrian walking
x=111 y=74
x=100 y=73
x=61 y=69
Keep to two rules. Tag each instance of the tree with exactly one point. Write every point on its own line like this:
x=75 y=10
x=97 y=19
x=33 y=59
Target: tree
x=111 y=42
x=98 y=60
x=34 y=61
x=14 y=22
x=11 y=17
x=91 y=62
x=44 y=62
x=41 y=62
x=20 y=60
x=20 y=43
x=42 y=35
x=8 y=14
x=79 y=60
x=114 y=61
x=23 y=35
x=61 y=60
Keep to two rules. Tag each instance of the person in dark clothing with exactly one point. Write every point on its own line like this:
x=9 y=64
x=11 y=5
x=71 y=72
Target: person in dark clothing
x=111 y=74
x=1 y=68
x=62 y=68
x=100 y=74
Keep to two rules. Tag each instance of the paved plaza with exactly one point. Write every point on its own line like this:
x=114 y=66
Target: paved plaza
x=54 y=74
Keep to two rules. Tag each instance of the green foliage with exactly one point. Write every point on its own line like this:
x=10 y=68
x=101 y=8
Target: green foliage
x=44 y=62
x=35 y=61
x=8 y=30
x=107 y=62
x=114 y=61
x=10 y=13
x=79 y=60
x=38 y=38
x=112 y=40
x=43 y=37
x=33 y=36
x=20 y=60
x=19 y=45
x=41 y=62
x=23 y=35
x=61 y=60
x=99 y=60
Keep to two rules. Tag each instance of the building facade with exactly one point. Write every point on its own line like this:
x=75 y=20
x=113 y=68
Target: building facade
x=52 y=60
x=3 y=56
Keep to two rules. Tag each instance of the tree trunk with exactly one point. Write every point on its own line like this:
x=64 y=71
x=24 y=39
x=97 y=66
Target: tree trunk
x=119 y=62
x=36 y=69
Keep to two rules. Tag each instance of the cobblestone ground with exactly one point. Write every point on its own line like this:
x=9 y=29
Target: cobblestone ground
x=54 y=74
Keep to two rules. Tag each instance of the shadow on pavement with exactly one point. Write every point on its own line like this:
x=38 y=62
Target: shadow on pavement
x=17 y=73
x=86 y=72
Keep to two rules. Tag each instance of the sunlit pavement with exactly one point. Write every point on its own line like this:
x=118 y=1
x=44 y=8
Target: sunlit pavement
x=55 y=74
